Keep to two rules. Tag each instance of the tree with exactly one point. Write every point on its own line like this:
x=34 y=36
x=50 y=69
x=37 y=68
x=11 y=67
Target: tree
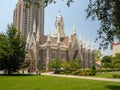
x=107 y=61
x=55 y=64
x=116 y=60
x=107 y=12
x=46 y=2
x=74 y=64
x=12 y=50
x=97 y=55
x=65 y=64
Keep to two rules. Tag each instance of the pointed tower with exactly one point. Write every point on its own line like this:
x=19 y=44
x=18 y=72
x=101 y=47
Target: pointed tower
x=28 y=38
x=59 y=26
x=92 y=46
x=74 y=29
x=81 y=42
x=48 y=36
x=38 y=34
x=69 y=38
x=48 y=52
x=34 y=27
x=88 y=45
x=58 y=38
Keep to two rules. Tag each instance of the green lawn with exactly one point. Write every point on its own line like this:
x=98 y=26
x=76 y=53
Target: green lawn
x=53 y=83
x=106 y=74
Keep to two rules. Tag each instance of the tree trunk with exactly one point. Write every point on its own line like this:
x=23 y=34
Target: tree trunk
x=9 y=71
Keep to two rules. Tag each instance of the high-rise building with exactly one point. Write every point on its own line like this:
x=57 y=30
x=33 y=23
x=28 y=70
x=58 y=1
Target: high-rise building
x=24 y=17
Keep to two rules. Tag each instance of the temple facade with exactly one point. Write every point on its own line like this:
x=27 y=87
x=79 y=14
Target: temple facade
x=44 y=48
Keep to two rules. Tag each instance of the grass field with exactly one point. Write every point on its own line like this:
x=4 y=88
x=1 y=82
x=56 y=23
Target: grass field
x=106 y=74
x=53 y=83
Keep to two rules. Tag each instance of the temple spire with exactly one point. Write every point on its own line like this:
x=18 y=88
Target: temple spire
x=59 y=13
x=69 y=38
x=81 y=42
x=34 y=27
x=88 y=45
x=49 y=36
x=74 y=29
x=92 y=46
x=28 y=37
x=58 y=37
x=59 y=26
x=38 y=34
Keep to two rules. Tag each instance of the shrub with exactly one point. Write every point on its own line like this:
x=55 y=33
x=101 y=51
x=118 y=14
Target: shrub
x=116 y=76
x=55 y=64
x=76 y=72
x=93 y=68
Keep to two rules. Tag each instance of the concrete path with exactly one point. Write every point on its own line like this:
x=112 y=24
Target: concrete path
x=81 y=77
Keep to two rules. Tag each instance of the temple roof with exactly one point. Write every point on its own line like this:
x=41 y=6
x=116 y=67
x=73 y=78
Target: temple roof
x=63 y=41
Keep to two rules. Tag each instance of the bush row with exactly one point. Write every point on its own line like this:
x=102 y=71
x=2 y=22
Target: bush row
x=78 y=72
x=116 y=76
x=107 y=70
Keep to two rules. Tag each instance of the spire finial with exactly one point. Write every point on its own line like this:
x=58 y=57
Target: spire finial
x=74 y=29
x=49 y=36
x=69 y=37
x=81 y=42
x=28 y=37
x=92 y=46
x=59 y=13
x=37 y=36
x=87 y=45
x=34 y=27
x=58 y=37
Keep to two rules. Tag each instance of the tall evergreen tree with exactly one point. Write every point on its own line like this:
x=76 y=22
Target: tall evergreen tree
x=12 y=50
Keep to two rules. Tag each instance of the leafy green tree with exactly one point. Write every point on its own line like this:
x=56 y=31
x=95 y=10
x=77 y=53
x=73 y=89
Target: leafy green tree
x=107 y=61
x=12 y=50
x=107 y=12
x=55 y=64
x=46 y=2
x=97 y=55
x=3 y=46
x=74 y=64
x=116 y=61
x=65 y=64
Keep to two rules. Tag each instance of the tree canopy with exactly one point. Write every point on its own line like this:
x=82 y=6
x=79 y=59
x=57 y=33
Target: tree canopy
x=46 y=2
x=107 y=12
x=55 y=64
x=97 y=55
x=116 y=60
x=12 y=50
x=107 y=61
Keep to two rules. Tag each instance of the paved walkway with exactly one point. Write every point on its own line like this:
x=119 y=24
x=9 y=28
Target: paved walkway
x=81 y=77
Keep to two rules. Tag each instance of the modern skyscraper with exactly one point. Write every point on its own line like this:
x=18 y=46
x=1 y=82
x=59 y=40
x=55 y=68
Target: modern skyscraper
x=24 y=17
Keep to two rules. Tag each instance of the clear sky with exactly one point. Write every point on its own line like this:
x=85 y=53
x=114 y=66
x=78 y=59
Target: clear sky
x=75 y=14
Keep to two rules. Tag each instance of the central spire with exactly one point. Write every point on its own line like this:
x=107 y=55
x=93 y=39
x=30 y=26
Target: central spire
x=59 y=26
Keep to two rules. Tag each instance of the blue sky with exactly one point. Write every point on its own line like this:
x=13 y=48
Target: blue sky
x=75 y=14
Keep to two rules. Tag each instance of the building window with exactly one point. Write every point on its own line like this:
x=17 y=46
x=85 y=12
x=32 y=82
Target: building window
x=53 y=55
x=43 y=55
x=62 y=56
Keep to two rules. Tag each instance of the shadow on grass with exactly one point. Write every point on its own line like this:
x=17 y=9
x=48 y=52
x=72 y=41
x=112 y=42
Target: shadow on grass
x=19 y=75
x=113 y=87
